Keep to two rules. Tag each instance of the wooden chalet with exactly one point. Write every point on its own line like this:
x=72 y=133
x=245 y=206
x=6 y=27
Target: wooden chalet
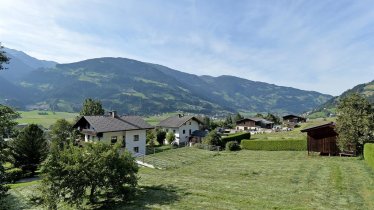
x=293 y=119
x=322 y=139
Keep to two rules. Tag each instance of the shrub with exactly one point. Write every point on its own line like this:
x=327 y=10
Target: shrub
x=238 y=137
x=232 y=146
x=369 y=154
x=13 y=175
x=274 y=145
x=160 y=136
x=213 y=138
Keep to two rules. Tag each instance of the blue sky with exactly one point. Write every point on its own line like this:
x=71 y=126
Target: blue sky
x=326 y=46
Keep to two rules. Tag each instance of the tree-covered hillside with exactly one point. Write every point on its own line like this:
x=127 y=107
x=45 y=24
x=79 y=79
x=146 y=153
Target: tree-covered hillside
x=134 y=87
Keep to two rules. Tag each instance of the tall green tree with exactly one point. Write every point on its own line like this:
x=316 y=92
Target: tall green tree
x=95 y=171
x=7 y=123
x=238 y=117
x=355 y=122
x=271 y=117
x=213 y=138
x=62 y=132
x=228 y=123
x=29 y=148
x=160 y=136
x=92 y=107
x=7 y=120
x=3 y=57
x=170 y=137
x=3 y=188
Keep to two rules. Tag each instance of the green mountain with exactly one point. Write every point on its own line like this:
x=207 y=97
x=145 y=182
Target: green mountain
x=328 y=108
x=135 y=87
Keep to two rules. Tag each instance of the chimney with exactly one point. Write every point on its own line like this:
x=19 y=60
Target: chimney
x=180 y=115
x=113 y=114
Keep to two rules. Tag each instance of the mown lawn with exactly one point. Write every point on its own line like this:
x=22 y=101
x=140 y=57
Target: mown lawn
x=252 y=180
x=46 y=120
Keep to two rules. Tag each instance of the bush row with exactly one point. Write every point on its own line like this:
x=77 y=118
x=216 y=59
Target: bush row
x=238 y=137
x=369 y=154
x=274 y=145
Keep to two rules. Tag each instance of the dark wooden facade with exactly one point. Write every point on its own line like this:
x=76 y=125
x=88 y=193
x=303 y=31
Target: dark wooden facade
x=293 y=119
x=322 y=139
x=246 y=122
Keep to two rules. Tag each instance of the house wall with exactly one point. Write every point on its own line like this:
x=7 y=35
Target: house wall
x=188 y=127
x=129 y=136
x=181 y=137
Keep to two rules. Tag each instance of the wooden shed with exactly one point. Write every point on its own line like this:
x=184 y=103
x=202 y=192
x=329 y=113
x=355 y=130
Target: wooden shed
x=322 y=139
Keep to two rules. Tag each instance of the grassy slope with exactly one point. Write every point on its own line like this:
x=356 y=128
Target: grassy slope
x=44 y=120
x=262 y=180
x=294 y=134
x=253 y=180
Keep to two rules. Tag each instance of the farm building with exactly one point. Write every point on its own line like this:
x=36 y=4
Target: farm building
x=293 y=119
x=252 y=123
x=322 y=139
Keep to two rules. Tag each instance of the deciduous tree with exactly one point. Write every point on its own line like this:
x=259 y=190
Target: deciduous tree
x=213 y=138
x=3 y=57
x=94 y=171
x=355 y=122
x=92 y=107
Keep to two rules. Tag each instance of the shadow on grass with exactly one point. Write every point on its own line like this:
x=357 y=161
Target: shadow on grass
x=147 y=196
x=11 y=202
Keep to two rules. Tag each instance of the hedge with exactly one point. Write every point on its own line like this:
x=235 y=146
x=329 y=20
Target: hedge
x=369 y=154
x=274 y=145
x=238 y=137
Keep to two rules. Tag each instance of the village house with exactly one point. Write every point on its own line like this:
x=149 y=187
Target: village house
x=253 y=123
x=129 y=130
x=182 y=126
x=293 y=119
x=322 y=139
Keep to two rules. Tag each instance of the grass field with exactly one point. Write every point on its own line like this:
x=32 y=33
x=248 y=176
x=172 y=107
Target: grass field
x=294 y=134
x=249 y=180
x=46 y=120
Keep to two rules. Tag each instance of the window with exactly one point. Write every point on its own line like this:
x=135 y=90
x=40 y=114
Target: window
x=190 y=122
x=184 y=131
x=136 y=149
x=190 y=132
x=88 y=137
x=167 y=130
x=136 y=137
x=113 y=139
x=123 y=141
x=173 y=131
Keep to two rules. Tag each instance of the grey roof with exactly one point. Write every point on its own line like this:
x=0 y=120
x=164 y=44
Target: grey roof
x=108 y=123
x=176 y=121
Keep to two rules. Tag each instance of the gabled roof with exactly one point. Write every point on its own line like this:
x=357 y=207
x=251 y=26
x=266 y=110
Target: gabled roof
x=330 y=124
x=292 y=116
x=255 y=119
x=102 y=124
x=176 y=121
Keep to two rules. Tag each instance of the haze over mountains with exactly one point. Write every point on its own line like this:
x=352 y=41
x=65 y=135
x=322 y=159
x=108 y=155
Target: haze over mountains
x=134 y=87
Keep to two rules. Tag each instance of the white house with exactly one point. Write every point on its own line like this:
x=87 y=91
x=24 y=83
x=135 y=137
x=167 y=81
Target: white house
x=130 y=130
x=181 y=126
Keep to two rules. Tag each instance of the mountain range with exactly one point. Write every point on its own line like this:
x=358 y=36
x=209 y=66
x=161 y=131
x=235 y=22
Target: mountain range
x=328 y=108
x=134 y=87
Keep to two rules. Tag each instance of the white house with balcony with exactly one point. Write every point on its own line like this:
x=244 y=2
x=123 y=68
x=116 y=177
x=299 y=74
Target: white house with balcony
x=181 y=126
x=129 y=130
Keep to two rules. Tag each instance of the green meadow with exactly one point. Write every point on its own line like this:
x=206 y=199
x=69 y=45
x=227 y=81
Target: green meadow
x=243 y=180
